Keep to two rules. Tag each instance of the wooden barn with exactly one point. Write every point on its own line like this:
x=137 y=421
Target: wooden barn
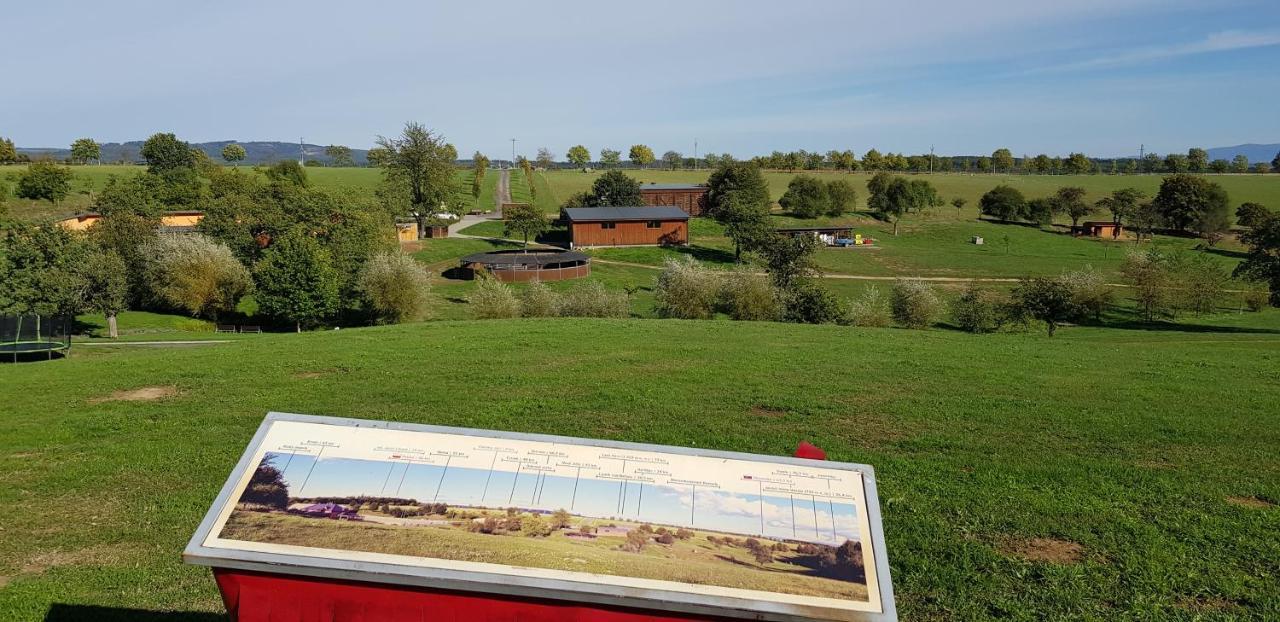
x=626 y=226
x=692 y=198
x=1098 y=229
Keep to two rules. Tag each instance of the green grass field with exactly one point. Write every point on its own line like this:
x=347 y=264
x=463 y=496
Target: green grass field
x=1150 y=454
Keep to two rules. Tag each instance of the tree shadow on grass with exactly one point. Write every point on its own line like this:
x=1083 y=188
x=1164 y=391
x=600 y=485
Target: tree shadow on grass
x=88 y=613
x=1188 y=328
x=702 y=253
x=1222 y=252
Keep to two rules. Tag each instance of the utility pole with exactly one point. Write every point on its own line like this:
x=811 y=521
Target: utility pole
x=930 y=159
x=302 y=153
x=513 y=152
x=695 y=153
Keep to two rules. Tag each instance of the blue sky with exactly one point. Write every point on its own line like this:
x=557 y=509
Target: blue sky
x=1100 y=76
x=802 y=517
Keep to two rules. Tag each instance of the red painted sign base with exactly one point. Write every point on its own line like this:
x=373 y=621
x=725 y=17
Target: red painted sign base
x=266 y=597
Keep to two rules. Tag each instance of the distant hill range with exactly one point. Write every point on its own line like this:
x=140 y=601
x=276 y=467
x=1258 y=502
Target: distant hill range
x=1255 y=153
x=257 y=151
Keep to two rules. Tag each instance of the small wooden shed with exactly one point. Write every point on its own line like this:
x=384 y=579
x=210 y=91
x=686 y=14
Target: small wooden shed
x=1098 y=229
x=626 y=226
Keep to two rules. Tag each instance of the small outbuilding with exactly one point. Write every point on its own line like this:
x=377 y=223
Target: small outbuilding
x=520 y=266
x=183 y=221
x=692 y=198
x=1098 y=229
x=626 y=226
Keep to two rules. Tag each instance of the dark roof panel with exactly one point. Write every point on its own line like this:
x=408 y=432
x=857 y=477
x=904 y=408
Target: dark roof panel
x=662 y=212
x=644 y=187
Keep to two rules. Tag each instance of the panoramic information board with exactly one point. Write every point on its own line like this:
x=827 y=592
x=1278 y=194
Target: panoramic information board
x=583 y=520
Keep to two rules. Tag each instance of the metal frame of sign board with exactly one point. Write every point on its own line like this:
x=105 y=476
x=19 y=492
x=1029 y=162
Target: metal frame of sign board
x=537 y=587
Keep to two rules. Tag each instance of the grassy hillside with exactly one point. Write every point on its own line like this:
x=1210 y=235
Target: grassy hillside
x=1102 y=474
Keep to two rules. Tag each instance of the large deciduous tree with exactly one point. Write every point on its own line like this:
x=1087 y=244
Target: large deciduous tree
x=1002 y=160
x=892 y=197
x=1197 y=160
x=1122 y=204
x=526 y=220
x=1070 y=200
x=641 y=155
x=1190 y=202
x=9 y=153
x=806 y=197
x=1003 y=203
x=339 y=155
x=233 y=154
x=672 y=160
x=418 y=167
x=545 y=158
x=297 y=281
x=738 y=198
x=614 y=189
x=610 y=157
x=578 y=155
x=1046 y=299
x=1263 y=260
x=85 y=149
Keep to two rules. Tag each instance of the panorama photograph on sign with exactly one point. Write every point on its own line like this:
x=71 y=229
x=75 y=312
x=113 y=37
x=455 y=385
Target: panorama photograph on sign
x=759 y=530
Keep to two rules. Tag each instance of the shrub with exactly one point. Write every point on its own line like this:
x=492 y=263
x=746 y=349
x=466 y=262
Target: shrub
x=684 y=534
x=1148 y=274
x=535 y=526
x=1256 y=296
x=806 y=197
x=195 y=274
x=1200 y=280
x=1045 y=299
x=44 y=180
x=666 y=538
x=538 y=300
x=842 y=196
x=636 y=541
x=687 y=290
x=914 y=303
x=871 y=309
x=977 y=310
x=492 y=300
x=747 y=296
x=591 y=299
x=396 y=286
x=810 y=303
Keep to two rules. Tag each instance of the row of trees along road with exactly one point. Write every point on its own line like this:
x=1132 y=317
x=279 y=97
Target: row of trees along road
x=1003 y=161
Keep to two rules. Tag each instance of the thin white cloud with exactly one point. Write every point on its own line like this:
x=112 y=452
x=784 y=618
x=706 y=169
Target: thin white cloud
x=1224 y=41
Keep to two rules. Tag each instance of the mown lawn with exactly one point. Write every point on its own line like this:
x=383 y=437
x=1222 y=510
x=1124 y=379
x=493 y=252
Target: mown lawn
x=1149 y=457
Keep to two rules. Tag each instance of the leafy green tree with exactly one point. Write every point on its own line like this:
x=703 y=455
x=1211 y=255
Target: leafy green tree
x=340 y=155
x=738 y=198
x=1197 y=160
x=1003 y=203
x=1222 y=166
x=984 y=164
x=267 y=486
x=234 y=154
x=297 y=281
x=806 y=197
x=913 y=303
x=1190 y=201
x=610 y=157
x=1079 y=164
x=44 y=180
x=1122 y=204
x=288 y=172
x=526 y=220
x=378 y=157
x=164 y=153
x=85 y=149
x=614 y=189
x=892 y=197
x=1275 y=162
x=808 y=302
x=1040 y=210
x=106 y=286
x=872 y=160
x=1070 y=200
x=1002 y=160
x=578 y=155
x=1240 y=164
x=843 y=198
x=789 y=259
x=1252 y=214
x=1175 y=163
x=1046 y=299
x=417 y=173
x=9 y=153
x=959 y=203
x=1040 y=164
x=672 y=160
x=41 y=269
x=641 y=155
x=1262 y=263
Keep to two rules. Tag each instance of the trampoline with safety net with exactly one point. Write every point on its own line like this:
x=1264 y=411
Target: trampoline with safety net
x=31 y=336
